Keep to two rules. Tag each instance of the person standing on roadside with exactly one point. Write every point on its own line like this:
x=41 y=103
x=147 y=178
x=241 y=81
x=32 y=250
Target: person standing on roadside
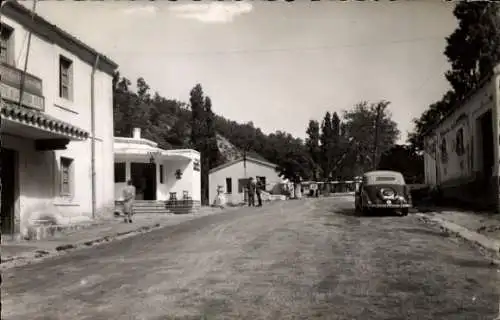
x=251 y=192
x=258 y=189
x=128 y=201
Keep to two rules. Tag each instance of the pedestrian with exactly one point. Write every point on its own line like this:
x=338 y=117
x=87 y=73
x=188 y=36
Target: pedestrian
x=251 y=192
x=128 y=201
x=258 y=189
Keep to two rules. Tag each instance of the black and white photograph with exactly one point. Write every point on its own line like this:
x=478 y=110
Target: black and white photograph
x=250 y=159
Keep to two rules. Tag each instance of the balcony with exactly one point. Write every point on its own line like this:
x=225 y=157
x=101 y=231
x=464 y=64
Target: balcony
x=10 y=87
x=29 y=119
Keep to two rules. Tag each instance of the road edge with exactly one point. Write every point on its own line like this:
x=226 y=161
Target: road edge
x=485 y=244
x=39 y=255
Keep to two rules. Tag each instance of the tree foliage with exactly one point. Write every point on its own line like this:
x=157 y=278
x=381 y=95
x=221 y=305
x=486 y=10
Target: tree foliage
x=313 y=146
x=360 y=127
x=473 y=49
x=405 y=160
x=347 y=145
x=175 y=124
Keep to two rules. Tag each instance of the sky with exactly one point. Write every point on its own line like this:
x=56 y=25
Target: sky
x=278 y=64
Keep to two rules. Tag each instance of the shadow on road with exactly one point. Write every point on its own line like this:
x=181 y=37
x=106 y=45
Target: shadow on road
x=351 y=212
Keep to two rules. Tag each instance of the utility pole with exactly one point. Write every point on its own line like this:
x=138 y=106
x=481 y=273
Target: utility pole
x=380 y=107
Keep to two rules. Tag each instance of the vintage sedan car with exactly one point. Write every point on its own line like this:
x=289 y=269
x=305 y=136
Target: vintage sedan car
x=383 y=189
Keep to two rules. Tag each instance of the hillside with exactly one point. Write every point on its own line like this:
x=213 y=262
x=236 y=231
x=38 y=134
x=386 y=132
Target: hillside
x=168 y=122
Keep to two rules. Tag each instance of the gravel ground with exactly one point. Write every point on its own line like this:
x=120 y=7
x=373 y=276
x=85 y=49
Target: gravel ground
x=302 y=259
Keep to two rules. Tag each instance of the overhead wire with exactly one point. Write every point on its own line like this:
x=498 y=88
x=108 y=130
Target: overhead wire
x=296 y=49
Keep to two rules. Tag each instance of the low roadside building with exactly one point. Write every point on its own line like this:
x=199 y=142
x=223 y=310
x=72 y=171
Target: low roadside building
x=231 y=178
x=164 y=179
x=461 y=155
x=57 y=140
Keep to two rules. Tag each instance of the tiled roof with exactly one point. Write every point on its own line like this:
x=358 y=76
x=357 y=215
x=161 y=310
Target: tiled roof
x=40 y=120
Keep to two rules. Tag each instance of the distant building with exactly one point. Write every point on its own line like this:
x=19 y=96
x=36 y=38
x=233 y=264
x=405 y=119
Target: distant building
x=159 y=175
x=47 y=158
x=233 y=177
x=462 y=151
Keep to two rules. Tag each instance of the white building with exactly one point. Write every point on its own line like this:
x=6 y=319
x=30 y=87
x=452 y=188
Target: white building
x=159 y=175
x=462 y=151
x=57 y=145
x=233 y=176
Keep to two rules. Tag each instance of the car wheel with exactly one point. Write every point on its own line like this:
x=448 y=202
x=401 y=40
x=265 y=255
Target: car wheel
x=404 y=212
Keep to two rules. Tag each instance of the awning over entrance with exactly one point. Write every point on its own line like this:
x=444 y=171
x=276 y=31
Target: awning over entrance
x=34 y=124
x=156 y=153
x=140 y=148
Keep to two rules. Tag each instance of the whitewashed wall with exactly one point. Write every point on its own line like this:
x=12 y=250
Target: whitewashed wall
x=237 y=171
x=461 y=168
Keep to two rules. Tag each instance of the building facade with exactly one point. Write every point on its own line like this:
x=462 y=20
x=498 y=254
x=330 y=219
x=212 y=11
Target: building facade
x=232 y=178
x=157 y=174
x=462 y=152
x=57 y=142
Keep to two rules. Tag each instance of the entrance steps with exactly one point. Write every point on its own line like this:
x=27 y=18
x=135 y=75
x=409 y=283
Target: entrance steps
x=164 y=207
x=147 y=206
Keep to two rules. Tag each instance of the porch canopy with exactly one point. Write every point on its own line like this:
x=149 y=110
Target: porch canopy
x=155 y=172
x=143 y=149
x=36 y=125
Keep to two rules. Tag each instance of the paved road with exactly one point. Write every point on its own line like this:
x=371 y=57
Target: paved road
x=303 y=259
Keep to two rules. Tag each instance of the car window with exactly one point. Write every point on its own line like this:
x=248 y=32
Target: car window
x=382 y=178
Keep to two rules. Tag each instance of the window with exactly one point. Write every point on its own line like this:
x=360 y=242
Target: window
x=229 y=185
x=242 y=184
x=161 y=173
x=459 y=142
x=66 y=176
x=5 y=44
x=385 y=179
x=262 y=181
x=120 y=172
x=65 y=78
x=444 y=151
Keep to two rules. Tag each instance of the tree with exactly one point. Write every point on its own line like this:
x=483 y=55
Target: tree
x=209 y=149
x=405 y=160
x=429 y=118
x=197 y=102
x=326 y=140
x=335 y=147
x=473 y=50
x=294 y=161
x=312 y=144
x=143 y=90
x=360 y=126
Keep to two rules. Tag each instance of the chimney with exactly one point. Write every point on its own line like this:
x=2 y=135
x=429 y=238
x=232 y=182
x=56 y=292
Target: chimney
x=136 y=133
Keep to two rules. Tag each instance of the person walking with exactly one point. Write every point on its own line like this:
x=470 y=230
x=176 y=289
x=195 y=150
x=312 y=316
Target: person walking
x=128 y=201
x=258 y=189
x=251 y=192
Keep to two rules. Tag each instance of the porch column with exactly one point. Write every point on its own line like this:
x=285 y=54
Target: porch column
x=157 y=171
x=128 y=174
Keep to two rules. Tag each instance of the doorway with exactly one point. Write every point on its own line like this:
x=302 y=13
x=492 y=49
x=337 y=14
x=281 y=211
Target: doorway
x=487 y=154
x=144 y=179
x=9 y=190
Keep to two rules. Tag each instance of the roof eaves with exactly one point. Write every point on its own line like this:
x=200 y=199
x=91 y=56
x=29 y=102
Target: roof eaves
x=19 y=8
x=457 y=105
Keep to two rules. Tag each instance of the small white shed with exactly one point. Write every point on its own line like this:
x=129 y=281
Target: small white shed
x=232 y=177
